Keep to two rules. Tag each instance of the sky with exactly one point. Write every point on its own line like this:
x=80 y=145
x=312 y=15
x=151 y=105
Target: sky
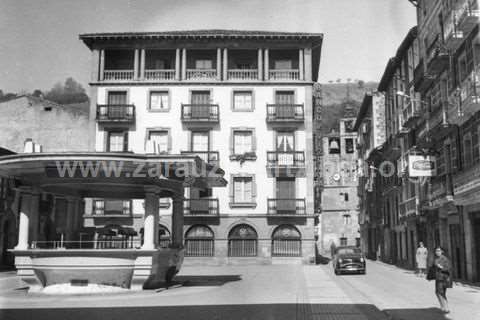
x=39 y=43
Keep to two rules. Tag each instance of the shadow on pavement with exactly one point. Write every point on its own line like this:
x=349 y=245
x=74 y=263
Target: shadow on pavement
x=207 y=280
x=418 y=314
x=227 y=312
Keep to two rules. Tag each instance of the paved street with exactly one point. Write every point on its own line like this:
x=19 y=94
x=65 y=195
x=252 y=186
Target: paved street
x=259 y=292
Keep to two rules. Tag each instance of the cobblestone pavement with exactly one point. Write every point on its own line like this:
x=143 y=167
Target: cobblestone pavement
x=256 y=292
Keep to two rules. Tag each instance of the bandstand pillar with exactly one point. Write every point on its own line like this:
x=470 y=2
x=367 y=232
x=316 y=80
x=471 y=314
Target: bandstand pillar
x=150 y=236
x=177 y=221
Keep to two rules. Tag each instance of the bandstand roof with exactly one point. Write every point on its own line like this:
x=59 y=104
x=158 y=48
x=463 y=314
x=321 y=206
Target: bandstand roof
x=110 y=175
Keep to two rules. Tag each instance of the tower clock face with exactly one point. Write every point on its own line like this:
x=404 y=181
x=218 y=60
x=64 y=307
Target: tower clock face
x=336 y=177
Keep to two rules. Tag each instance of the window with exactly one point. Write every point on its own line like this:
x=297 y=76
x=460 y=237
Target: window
x=160 y=140
x=333 y=145
x=117 y=141
x=283 y=64
x=242 y=142
x=242 y=100
x=199 y=242
x=343 y=242
x=467 y=155
x=117 y=97
x=347 y=219
x=159 y=100
x=242 y=190
x=203 y=64
x=112 y=207
x=286 y=242
x=349 y=146
x=285 y=141
x=200 y=141
x=242 y=241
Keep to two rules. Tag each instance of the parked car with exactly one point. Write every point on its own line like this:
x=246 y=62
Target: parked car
x=349 y=259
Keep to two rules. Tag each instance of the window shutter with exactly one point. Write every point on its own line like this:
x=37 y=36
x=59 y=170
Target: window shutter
x=108 y=141
x=169 y=141
x=248 y=190
x=125 y=141
x=254 y=141
x=232 y=182
x=232 y=148
x=254 y=189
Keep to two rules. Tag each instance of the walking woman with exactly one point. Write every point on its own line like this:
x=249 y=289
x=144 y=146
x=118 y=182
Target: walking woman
x=443 y=278
x=421 y=259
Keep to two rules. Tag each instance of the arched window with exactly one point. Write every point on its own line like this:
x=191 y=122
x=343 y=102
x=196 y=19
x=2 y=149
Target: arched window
x=163 y=236
x=286 y=242
x=199 y=242
x=242 y=241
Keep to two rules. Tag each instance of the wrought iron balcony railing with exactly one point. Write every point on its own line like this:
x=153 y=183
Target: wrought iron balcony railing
x=115 y=113
x=285 y=113
x=286 y=158
x=286 y=206
x=210 y=157
x=201 y=207
x=200 y=113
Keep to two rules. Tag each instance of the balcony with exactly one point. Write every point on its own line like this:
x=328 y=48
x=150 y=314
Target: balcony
x=286 y=207
x=411 y=112
x=118 y=75
x=468 y=101
x=201 y=207
x=200 y=113
x=210 y=157
x=281 y=113
x=119 y=65
x=466 y=183
x=201 y=74
x=285 y=74
x=438 y=58
x=467 y=16
x=408 y=207
x=160 y=74
x=285 y=164
x=115 y=113
x=242 y=74
x=453 y=37
x=421 y=80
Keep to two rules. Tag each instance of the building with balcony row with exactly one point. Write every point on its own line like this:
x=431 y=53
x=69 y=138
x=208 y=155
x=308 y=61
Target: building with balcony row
x=239 y=100
x=432 y=100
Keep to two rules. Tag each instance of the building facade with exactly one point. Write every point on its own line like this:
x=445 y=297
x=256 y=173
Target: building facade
x=338 y=221
x=239 y=100
x=370 y=128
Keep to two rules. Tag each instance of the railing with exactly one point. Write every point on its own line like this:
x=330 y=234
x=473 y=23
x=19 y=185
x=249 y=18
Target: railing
x=286 y=247
x=467 y=15
x=116 y=112
x=199 y=247
x=286 y=207
x=242 y=74
x=438 y=57
x=285 y=158
x=470 y=91
x=411 y=111
x=99 y=244
x=284 y=74
x=467 y=179
x=285 y=112
x=160 y=74
x=200 y=112
x=201 y=207
x=201 y=74
x=242 y=248
x=210 y=157
x=118 y=75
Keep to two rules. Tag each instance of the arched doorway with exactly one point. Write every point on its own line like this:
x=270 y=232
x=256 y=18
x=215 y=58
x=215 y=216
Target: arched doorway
x=242 y=241
x=286 y=242
x=199 y=242
x=164 y=237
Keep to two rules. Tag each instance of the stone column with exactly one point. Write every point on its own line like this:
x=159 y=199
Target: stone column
x=102 y=65
x=267 y=65
x=177 y=64
x=34 y=216
x=150 y=229
x=219 y=64
x=308 y=63
x=260 y=65
x=135 y=64
x=177 y=221
x=184 y=64
x=23 y=227
x=225 y=64
x=142 y=64
x=95 y=76
x=301 y=74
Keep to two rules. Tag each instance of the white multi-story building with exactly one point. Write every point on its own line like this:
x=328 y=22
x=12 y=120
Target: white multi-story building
x=241 y=100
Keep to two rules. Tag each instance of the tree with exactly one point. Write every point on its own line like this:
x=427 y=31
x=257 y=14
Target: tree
x=70 y=92
x=37 y=93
